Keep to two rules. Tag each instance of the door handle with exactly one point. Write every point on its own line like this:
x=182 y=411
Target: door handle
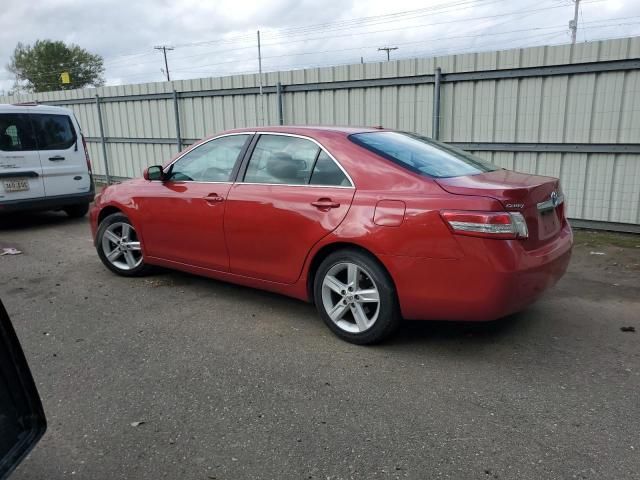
x=57 y=158
x=213 y=198
x=325 y=204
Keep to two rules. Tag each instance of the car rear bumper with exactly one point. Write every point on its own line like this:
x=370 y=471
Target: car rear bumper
x=47 y=203
x=495 y=278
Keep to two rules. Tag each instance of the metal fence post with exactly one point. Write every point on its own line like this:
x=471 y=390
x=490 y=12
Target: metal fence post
x=435 y=122
x=177 y=114
x=103 y=141
x=280 y=110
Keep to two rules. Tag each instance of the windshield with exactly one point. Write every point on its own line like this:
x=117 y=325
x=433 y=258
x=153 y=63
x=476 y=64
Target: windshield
x=422 y=155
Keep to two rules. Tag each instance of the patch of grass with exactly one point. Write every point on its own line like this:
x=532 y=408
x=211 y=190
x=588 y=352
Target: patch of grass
x=593 y=238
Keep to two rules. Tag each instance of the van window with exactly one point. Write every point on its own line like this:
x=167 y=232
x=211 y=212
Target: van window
x=53 y=132
x=16 y=133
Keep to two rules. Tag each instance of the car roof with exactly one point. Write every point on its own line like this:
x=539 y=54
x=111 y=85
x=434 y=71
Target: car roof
x=308 y=129
x=32 y=108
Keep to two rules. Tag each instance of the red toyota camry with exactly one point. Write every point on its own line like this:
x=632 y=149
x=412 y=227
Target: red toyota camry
x=371 y=225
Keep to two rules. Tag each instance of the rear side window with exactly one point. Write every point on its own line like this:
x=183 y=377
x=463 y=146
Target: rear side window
x=16 y=133
x=326 y=172
x=282 y=159
x=53 y=132
x=422 y=155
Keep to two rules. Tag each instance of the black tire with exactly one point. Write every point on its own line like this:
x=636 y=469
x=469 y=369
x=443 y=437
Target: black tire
x=118 y=218
x=388 y=313
x=77 y=211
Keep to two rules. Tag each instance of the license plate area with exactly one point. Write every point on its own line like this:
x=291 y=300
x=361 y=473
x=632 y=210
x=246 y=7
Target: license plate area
x=548 y=223
x=17 y=184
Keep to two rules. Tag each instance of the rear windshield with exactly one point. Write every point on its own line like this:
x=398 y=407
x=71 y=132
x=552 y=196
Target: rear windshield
x=422 y=155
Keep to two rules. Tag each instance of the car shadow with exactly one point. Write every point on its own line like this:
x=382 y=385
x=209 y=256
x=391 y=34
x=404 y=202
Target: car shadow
x=410 y=332
x=29 y=220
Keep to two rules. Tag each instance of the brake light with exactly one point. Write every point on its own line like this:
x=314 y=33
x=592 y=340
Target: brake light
x=503 y=225
x=86 y=153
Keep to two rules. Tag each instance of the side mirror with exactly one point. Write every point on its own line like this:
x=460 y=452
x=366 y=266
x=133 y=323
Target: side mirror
x=154 y=172
x=22 y=420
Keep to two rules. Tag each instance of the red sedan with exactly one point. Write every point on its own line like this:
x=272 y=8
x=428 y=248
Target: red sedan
x=371 y=225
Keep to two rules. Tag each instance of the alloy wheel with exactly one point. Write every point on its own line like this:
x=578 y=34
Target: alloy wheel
x=350 y=297
x=121 y=246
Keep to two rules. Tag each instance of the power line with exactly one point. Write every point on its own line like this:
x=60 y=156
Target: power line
x=354 y=60
x=437 y=39
x=338 y=27
x=373 y=32
x=116 y=61
x=560 y=30
x=279 y=35
x=350 y=24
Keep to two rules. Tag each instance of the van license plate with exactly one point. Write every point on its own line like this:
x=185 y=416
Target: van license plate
x=16 y=184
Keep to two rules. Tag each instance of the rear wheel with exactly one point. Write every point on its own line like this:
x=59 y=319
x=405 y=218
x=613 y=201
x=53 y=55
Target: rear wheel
x=119 y=247
x=77 y=211
x=356 y=298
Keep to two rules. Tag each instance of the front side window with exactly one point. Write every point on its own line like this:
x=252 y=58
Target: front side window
x=53 y=132
x=422 y=155
x=281 y=159
x=16 y=133
x=210 y=162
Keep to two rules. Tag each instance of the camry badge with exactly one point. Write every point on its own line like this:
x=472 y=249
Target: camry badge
x=515 y=205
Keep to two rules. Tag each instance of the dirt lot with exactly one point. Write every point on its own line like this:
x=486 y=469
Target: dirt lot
x=232 y=383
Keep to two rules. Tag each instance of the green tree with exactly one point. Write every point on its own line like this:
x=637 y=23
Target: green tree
x=39 y=68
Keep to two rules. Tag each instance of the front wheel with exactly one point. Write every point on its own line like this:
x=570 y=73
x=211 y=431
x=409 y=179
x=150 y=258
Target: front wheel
x=356 y=297
x=119 y=247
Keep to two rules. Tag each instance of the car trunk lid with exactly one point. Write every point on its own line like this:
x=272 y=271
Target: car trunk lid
x=538 y=198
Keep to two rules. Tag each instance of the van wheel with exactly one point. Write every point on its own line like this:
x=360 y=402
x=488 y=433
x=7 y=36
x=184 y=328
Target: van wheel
x=356 y=297
x=77 y=211
x=119 y=247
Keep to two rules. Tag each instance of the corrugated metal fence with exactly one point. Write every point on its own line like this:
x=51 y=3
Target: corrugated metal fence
x=566 y=111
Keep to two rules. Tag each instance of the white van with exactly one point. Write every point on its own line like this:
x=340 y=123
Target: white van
x=44 y=163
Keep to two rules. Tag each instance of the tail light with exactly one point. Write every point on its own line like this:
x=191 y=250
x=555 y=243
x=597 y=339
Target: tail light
x=503 y=225
x=86 y=153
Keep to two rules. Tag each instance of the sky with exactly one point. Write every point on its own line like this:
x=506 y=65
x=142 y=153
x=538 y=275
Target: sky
x=218 y=37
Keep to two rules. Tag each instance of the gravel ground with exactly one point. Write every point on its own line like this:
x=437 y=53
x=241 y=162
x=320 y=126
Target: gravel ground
x=233 y=383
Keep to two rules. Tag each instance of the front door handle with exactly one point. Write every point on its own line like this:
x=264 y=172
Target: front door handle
x=325 y=204
x=213 y=198
x=57 y=158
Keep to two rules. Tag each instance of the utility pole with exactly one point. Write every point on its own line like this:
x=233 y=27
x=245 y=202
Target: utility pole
x=164 y=49
x=573 y=24
x=387 y=49
x=260 y=80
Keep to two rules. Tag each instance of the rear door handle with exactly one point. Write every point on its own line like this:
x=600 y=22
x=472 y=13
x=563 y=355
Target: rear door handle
x=213 y=198
x=57 y=158
x=325 y=204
